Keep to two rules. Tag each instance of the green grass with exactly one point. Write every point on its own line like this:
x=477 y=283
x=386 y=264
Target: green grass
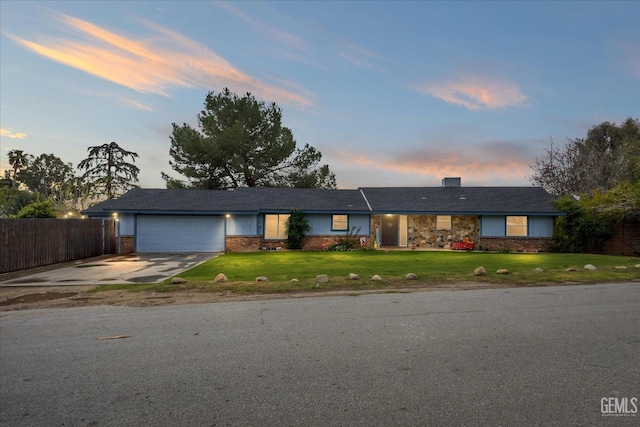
x=431 y=267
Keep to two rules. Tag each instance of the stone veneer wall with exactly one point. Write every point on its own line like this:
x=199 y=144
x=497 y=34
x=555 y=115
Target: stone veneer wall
x=126 y=245
x=515 y=244
x=243 y=243
x=422 y=230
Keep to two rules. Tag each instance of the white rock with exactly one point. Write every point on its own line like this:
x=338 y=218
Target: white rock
x=411 y=276
x=502 y=271
x=262 y=279
x=538 y=270
x=354 y=276
x=295 y=280
x=376 y=278
x=621 y=267
x=220 y=278
x=177 y=280
x=322 y=278
x=479 y=271
x=590 y=267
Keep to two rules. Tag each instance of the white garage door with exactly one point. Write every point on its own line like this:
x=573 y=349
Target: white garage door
x=176 y=233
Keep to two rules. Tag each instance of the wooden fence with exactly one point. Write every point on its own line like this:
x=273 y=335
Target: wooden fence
x=29 y=243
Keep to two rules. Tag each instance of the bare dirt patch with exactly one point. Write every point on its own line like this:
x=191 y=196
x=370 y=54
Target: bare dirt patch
x=35 y=297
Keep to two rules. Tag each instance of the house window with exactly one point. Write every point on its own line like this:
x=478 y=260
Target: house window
x=443 y=222
x=516 y=226
x=339 y=222
x=275 y=226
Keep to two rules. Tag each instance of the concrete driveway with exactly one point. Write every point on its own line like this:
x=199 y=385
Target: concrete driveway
x=134 y=268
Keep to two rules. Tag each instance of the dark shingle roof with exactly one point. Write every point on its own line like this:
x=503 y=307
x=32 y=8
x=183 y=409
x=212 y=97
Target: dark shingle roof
x=433 y=200
x=467 y=200
x=265 y=199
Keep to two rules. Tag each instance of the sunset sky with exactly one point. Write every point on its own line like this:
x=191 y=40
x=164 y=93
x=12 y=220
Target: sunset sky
x=391 y=93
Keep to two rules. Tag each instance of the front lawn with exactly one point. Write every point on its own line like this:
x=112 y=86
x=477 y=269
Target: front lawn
x=431 y=268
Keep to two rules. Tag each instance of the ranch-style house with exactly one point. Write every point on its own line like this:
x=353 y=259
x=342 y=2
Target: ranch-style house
x=254 y=219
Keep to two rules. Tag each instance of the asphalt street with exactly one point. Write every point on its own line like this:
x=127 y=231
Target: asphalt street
x=503 y=357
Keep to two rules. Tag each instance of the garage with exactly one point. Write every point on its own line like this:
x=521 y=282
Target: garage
x=180 y=233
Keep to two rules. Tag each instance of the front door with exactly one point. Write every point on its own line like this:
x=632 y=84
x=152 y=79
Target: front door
x=389 y=230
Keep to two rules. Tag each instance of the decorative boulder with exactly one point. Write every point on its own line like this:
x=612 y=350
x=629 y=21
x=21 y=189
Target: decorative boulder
x=294 y=280
x=637 y=265
x=570 y=269
x=177 y=280
x=590 y=267
x=354 y=276
x=479 y=271
x=411 y=276
x=538 y=270
x=262 y=279
x=220 y=278
x=376 y=278
x=322 y=278
x=621 y=267
x=502 y=271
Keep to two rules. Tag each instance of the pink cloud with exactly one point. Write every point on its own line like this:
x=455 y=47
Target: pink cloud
x=475 y=93
x=156 y=64
x=478 y=162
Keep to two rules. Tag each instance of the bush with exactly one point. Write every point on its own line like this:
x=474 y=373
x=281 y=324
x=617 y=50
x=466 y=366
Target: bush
x=43 y=209
x=349 y=242
x=580 y=230
x=297 y=227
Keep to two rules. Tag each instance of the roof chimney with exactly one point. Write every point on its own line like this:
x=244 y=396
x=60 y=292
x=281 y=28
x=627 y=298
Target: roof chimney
x=452 y=182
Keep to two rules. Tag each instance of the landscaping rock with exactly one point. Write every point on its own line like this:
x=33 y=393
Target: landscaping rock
x=322 y=278
x=376 y=278
x=262 y=279
x=411 y=276
x=637 y=265
x=538 y=270
x=570 y=269
x=479 y=271
x=177 y=280
x=590 y=267
x=502 y=271
x=354 y=276
x=294 y=280
x=220 y=278
x=621 y=267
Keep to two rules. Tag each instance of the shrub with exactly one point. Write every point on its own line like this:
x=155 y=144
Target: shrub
x=580 y=230
x=349 y=242
x=43 y=209
x=297 y=227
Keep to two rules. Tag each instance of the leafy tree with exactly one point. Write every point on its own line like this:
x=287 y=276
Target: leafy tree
x=297 y=227
x=620 y=204
x=107 y=172
x=39 y=209
x=18 y=161
x=608 y=156
x=241 y=143
x=13 y=199
x=47 y=175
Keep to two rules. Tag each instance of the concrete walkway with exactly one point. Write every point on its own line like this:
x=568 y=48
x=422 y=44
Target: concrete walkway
x=134 y=268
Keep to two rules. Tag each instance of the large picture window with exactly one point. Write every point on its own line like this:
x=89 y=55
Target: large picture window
x=516 y=226
x=339 y=222
x=275 y=226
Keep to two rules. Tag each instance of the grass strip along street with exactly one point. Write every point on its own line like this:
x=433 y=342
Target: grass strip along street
x=431 y=268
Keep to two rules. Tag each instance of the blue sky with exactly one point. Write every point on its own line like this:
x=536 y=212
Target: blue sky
x=392 y=93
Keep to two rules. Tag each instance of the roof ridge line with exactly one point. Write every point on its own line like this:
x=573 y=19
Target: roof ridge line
x=365 y=199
